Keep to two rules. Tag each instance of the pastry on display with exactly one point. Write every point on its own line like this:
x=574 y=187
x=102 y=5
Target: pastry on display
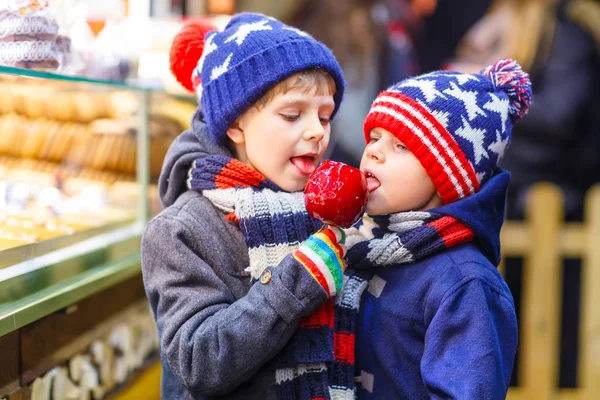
x=28 y=36
x=21 y=229
x=8 y=243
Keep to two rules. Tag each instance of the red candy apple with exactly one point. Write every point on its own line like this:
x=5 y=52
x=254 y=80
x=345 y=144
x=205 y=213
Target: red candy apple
x=336 y=194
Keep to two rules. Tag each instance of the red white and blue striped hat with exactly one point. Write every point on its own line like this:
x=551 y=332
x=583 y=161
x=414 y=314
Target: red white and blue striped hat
x=457 y=125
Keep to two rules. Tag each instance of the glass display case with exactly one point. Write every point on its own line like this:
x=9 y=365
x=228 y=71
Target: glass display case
x=79 y=160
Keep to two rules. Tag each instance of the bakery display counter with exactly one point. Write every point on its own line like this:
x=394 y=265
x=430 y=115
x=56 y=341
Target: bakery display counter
x=70 y=156
x=79 y=160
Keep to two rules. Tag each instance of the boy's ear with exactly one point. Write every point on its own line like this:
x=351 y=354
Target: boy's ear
x=236 y=134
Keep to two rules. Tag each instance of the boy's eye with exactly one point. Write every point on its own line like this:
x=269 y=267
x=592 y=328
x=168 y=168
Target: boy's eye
x=325 y=121
x=373 y=139
x=290 y=117
x=402 y=147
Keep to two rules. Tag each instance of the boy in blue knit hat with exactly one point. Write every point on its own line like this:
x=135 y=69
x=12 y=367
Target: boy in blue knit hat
x=218 y=263
x=435 y=319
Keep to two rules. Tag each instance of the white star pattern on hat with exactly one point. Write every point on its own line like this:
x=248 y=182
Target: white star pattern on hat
x=245 y=29
x=480 y=176
x=441 y=116
x=469 y=99
x=209 y=47
x=499 y=145
x=461 y=78
x=475 y=136
x=296 y=30
x=221 y=69
x=426 y=87
x=499 y=106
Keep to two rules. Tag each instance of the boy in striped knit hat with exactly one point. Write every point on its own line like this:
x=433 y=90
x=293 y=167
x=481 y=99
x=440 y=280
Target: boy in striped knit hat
x=435 y=318
x=220 y=263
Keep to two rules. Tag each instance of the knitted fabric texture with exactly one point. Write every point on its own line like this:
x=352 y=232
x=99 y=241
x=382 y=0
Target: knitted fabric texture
x=314 y=362
x=457 y=125
x=406 y=237
x=322 y=255
x=253 y=53
x=273 y=222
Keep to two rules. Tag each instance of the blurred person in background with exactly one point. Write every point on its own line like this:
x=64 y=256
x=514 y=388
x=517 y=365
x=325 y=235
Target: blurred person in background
x=373 y=42
x=558 y=140
x=557 y=42
x=442 y=26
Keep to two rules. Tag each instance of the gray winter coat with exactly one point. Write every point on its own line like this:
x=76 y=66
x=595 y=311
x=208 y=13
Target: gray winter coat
x=217 y=332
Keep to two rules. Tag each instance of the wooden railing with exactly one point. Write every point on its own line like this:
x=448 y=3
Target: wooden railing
x=543 y=239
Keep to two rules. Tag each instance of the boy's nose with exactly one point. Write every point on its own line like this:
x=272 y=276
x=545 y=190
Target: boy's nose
x=314 y=131
x=375 y=154
x=311 y=134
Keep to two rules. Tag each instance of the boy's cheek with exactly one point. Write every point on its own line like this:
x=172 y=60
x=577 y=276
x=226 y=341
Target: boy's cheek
x=371 y=206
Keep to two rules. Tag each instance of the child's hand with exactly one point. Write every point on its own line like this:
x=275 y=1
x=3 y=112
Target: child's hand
x=322 y=254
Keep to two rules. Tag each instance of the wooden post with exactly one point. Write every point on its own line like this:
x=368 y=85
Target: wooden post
x=540 y=321
x=589 y=348
x=501 y=267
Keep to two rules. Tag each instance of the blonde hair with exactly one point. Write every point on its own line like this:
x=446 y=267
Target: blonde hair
x=532 y=30
x=519 y=29
x=316 y=81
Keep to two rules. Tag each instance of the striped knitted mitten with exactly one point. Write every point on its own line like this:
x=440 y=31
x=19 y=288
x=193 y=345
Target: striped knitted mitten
x=322 y=254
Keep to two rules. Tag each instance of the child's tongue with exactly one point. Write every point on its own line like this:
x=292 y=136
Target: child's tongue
x=373 y=183
x=304 y=164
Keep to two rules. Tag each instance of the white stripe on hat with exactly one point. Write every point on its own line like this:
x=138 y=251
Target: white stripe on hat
x=425 y=140
x=435 y=132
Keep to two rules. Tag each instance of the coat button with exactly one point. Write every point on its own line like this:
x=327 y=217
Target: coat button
x=265 y=277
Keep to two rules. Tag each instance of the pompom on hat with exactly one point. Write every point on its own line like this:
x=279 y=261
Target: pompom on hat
x=232 y=69
x=186 y=50
x=457 y=125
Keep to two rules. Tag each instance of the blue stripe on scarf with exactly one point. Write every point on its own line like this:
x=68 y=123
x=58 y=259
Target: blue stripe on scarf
x=309 y=346
x=207 y=169
x=284 y=229
x=422 y=241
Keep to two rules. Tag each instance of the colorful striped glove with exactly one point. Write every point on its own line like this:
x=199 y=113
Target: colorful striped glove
x=322 y=254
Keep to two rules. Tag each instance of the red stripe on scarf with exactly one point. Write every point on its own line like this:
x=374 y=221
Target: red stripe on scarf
x=343 y=347
x=236 y=174
x=231 y=217
x=322 y=316
x=452 y=231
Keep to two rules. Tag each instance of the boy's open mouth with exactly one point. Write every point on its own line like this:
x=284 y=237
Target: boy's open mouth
x=305 y=164
x=372 y=181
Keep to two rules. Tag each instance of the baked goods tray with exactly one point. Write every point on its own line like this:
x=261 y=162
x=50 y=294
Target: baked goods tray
x=20 y=254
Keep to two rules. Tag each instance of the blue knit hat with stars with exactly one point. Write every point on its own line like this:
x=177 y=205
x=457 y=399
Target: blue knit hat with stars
x=252 y=54
x=457 y=125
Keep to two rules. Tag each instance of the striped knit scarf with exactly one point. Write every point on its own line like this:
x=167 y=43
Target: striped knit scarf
x=273 y=222
x=403 y=238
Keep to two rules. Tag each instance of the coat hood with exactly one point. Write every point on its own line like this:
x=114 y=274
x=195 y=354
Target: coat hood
x=484 y=213
x=187 y=147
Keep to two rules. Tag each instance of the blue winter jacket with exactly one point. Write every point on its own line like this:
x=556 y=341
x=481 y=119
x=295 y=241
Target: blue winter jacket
x=443 y=327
